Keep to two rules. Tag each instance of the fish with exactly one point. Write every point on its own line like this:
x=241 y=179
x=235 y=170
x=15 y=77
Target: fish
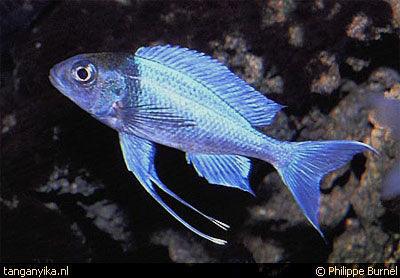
x=184 y=99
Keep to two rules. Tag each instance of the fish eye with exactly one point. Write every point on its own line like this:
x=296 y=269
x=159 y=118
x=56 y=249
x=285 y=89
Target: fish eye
x=83 y=72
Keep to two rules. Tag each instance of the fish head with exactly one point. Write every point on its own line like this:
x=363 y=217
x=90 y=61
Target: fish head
x=95 y=82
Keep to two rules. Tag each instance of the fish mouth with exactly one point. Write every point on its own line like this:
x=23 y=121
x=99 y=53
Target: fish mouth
x=54 y=78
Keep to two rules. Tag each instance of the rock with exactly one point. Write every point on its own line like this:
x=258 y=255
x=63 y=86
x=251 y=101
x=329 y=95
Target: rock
x=329 y=78
x=8 y=122
x=296 y=35
x=59 y=183
x=277 y=11
x=280 y=209
x=358 y=245
x=358 y=28
x=357 y=64
x=182 y=249
x=264 y=250
x=395 y=6
x=109 y=218
x=234 y=51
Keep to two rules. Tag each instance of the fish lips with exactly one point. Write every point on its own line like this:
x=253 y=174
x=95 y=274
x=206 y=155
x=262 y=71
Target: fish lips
x=55 y=77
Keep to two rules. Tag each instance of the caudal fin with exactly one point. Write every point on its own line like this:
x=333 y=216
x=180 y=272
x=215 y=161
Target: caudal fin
x=307 y=163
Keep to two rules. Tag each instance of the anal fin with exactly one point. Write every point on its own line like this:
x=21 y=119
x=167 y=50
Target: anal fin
x=226 y=170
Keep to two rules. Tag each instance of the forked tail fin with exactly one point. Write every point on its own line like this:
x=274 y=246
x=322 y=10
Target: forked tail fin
x=307 y=163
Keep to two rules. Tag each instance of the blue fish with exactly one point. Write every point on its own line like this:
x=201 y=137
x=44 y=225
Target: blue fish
x=187 y=100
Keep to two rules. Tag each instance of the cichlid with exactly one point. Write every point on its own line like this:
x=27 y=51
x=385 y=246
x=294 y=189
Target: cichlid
x=187 y=100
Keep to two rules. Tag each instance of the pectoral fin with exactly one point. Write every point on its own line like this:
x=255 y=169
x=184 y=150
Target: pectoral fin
x=148 y=116
x=139 y=158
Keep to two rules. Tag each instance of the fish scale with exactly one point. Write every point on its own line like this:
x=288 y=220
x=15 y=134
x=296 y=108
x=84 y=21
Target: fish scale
x=184 y=99
x=211 y=127
x=181 y=84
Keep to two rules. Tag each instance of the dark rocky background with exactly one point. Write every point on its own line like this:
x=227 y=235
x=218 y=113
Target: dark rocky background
x=66 y=195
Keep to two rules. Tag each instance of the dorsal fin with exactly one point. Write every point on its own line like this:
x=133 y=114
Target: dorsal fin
x=240 y=96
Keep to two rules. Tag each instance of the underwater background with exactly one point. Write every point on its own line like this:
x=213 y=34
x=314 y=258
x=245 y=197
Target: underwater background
x=66 y=195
